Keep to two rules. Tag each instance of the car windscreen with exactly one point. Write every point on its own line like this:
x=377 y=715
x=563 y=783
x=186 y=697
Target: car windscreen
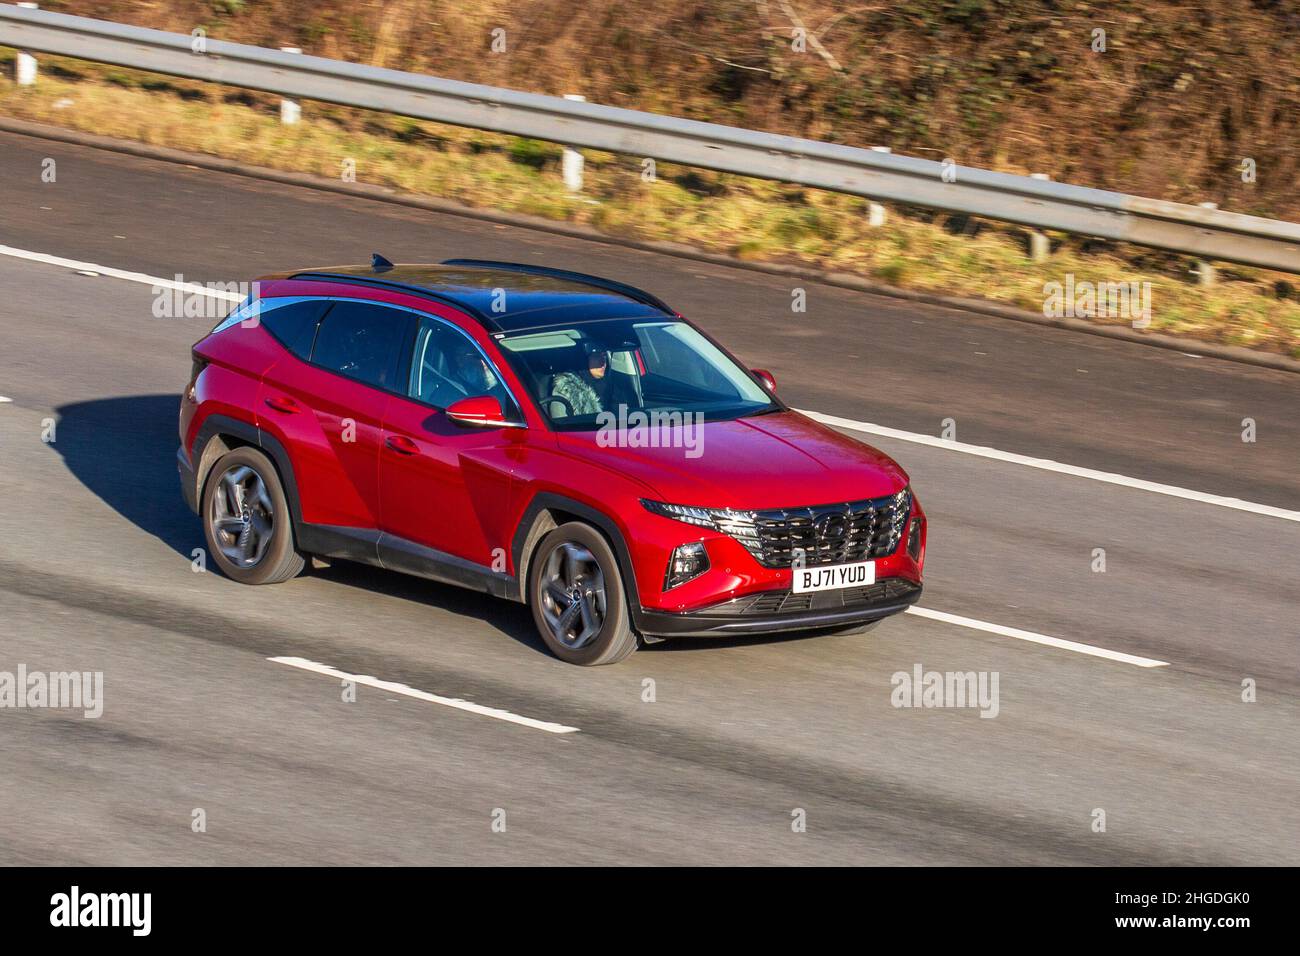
x=580 y=376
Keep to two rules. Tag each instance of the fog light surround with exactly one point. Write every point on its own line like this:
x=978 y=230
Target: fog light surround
x=688 y=562
x=914 y=539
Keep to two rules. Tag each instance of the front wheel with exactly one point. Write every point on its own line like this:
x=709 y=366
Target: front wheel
x=246 y=520
x=577 y=598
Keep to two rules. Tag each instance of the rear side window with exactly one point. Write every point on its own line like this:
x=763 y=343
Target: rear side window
x=294 y=324
x=363 y=342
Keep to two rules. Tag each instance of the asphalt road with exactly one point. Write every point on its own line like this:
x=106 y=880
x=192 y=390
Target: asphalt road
x=95 y=573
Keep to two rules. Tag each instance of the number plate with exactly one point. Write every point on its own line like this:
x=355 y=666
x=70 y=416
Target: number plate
x=832 y=577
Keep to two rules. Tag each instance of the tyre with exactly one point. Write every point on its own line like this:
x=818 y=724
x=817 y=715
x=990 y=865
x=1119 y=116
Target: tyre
x=577 y=597
x=246 y=520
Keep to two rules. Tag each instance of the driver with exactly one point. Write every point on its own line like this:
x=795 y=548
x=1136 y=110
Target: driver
x=584 y=393
x=470 y=372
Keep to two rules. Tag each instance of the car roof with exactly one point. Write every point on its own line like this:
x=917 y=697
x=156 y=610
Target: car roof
x=505 y=296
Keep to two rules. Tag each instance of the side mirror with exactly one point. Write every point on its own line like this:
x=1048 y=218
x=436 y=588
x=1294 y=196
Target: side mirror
x=767 y=378
x=480 y=410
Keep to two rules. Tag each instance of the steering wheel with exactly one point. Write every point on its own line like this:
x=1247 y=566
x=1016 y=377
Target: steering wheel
x=447 y=380
x=568 y=406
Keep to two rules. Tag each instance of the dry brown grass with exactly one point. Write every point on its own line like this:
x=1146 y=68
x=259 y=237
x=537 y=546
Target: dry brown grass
x=1182 y=94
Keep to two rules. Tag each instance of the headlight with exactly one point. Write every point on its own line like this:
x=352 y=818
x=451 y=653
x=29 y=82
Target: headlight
x=700 y=516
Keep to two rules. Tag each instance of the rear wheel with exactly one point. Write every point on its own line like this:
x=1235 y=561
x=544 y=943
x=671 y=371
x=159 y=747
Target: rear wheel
x=246 y=520
x=577 y=598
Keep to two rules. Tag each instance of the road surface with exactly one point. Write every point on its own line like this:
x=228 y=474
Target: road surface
x=96 y=575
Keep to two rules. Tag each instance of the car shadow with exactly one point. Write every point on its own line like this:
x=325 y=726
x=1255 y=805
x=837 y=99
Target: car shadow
x=510 y=618
x=738 y=640
x=124 y=451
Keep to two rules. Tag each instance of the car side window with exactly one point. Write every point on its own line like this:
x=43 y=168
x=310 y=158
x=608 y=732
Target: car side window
x=362 y=341
x=447 y=366
x=294 y=324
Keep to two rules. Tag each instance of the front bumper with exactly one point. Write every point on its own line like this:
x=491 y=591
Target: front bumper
x=769 y=612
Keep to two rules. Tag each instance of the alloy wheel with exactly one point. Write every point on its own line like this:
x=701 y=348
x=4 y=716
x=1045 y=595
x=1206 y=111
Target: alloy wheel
x=242 y=517
x=573 y=595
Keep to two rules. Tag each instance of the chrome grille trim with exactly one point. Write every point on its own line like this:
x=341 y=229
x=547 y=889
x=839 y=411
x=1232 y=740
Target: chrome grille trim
x=824 y=534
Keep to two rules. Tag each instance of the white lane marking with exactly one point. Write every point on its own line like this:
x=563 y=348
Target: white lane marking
x=980 y=451
x=1046 y=464
x=3 y=399
x=1035 y=638
x=395 y=688
x=89 y=268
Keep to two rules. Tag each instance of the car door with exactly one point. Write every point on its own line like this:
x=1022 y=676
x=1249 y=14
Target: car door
x=444 y=486
x=328 y=407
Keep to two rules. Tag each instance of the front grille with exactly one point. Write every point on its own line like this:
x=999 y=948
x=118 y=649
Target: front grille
x=820 y=534
x=787 y=602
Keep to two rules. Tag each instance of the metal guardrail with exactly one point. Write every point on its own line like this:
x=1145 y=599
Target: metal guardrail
x=1210 y=234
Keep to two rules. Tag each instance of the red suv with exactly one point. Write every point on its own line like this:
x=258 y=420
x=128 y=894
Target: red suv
x=546 y=437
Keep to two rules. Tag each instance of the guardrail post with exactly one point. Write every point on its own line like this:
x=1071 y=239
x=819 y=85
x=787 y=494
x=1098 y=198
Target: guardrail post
x=1040 y=247
x=1205 y=270
x=25 y=64
x=290 y=111
x=571 y=160
x=875 y=211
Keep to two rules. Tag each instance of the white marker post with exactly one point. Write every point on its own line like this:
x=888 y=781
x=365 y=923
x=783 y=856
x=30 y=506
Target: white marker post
x=875 y=211
x=25 y=64
x=571 y=161
x=1039 y=245
x=1204 y=269
x=290 y=111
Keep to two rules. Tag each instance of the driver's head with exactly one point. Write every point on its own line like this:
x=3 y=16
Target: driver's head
x=470 y=370
x=597 y=362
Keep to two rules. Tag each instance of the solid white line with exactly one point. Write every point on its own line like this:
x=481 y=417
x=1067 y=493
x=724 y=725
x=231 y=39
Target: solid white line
x=1045 y=464
x=395 y=688
x=86 y=267
x=980 y=451
x=3 y=399
x=1035 y=638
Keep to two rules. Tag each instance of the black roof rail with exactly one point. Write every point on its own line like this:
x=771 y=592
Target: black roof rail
x=406 y=287
x=630 y=291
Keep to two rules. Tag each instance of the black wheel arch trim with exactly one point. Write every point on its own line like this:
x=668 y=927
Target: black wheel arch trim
x=525 y=541
x=215 y=425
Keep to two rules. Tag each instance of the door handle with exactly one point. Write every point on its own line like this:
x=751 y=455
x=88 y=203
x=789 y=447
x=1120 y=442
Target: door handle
x=282 y=404
x=401 y=444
